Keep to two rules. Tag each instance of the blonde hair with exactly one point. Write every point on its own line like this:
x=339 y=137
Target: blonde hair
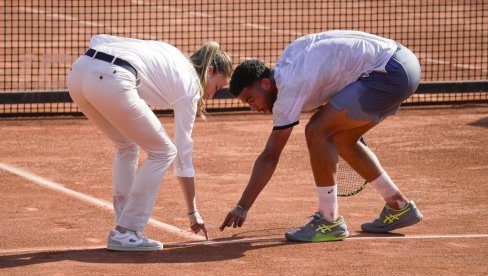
x=209 y=55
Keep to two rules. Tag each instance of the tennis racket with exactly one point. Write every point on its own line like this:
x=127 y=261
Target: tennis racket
x=349 y=182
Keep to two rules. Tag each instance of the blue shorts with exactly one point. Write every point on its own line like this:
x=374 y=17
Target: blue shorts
x=377 y=95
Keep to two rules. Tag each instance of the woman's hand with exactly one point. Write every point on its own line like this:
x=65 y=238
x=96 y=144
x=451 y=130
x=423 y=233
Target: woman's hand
x=197 y=224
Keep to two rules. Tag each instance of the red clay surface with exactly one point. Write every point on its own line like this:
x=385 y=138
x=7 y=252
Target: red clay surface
x=438 y=156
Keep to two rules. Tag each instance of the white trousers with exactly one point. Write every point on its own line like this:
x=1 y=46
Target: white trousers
x=107 y=95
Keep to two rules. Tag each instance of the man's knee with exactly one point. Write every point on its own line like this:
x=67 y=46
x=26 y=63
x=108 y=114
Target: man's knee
x=316 y=131
x=346 y=145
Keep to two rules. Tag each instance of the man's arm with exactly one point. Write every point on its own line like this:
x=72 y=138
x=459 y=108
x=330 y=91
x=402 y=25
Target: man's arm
x=263 y=169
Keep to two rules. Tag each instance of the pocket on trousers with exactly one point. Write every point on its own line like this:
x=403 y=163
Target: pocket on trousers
x=116 y=81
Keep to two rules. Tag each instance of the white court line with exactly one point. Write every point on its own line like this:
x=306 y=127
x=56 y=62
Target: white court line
x=159 y=7
x=457 y=65
x=247 y=240
x=71 y=19
x=50 y=249
x=221 y=20
x=92 y=200
x=412 y=237
x=419 y=237
x=62 y=16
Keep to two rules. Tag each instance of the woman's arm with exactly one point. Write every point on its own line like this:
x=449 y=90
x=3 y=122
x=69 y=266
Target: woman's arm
x=187 y=185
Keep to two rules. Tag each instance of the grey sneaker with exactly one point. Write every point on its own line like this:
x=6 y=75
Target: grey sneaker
x=131 y=241
x=319 y=229
x=391 y=219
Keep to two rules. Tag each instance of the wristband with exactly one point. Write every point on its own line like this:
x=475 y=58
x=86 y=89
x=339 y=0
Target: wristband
x=240 y=211
x=240 y=207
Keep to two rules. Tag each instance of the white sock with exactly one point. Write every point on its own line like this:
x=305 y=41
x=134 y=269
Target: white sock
x=328 y=202
x=385 y=187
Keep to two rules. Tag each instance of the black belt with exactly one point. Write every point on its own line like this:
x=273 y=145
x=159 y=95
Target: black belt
x=111 y=59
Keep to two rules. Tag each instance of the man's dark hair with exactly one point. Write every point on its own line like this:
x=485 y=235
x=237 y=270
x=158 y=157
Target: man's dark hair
x=246 y=74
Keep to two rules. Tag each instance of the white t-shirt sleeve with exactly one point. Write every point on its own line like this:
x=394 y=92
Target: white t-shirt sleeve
x=291 y=87
x=184 y=112
x=287 y=108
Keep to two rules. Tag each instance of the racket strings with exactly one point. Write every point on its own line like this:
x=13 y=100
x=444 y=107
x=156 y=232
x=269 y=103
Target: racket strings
x=348 y=180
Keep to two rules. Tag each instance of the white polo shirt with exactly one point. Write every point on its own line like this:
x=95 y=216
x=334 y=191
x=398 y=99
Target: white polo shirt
x=315 y=67
x=168 y=80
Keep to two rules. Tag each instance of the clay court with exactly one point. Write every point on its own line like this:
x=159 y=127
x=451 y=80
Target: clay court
x=55 y=171
x=437 y=155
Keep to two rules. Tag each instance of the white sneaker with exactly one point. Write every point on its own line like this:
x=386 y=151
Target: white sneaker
x=131 y=241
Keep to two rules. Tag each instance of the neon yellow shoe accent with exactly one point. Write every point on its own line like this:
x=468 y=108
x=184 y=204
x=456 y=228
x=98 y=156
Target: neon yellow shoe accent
x=322 y=227
x=392 y=218
x=319 y=229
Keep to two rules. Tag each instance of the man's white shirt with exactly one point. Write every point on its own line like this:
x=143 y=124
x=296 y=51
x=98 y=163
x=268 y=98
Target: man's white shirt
x=315 y=67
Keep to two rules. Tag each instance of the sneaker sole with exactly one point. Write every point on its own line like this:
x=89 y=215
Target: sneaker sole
x=116 y=247
x=290 y=237
x=388 y=229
